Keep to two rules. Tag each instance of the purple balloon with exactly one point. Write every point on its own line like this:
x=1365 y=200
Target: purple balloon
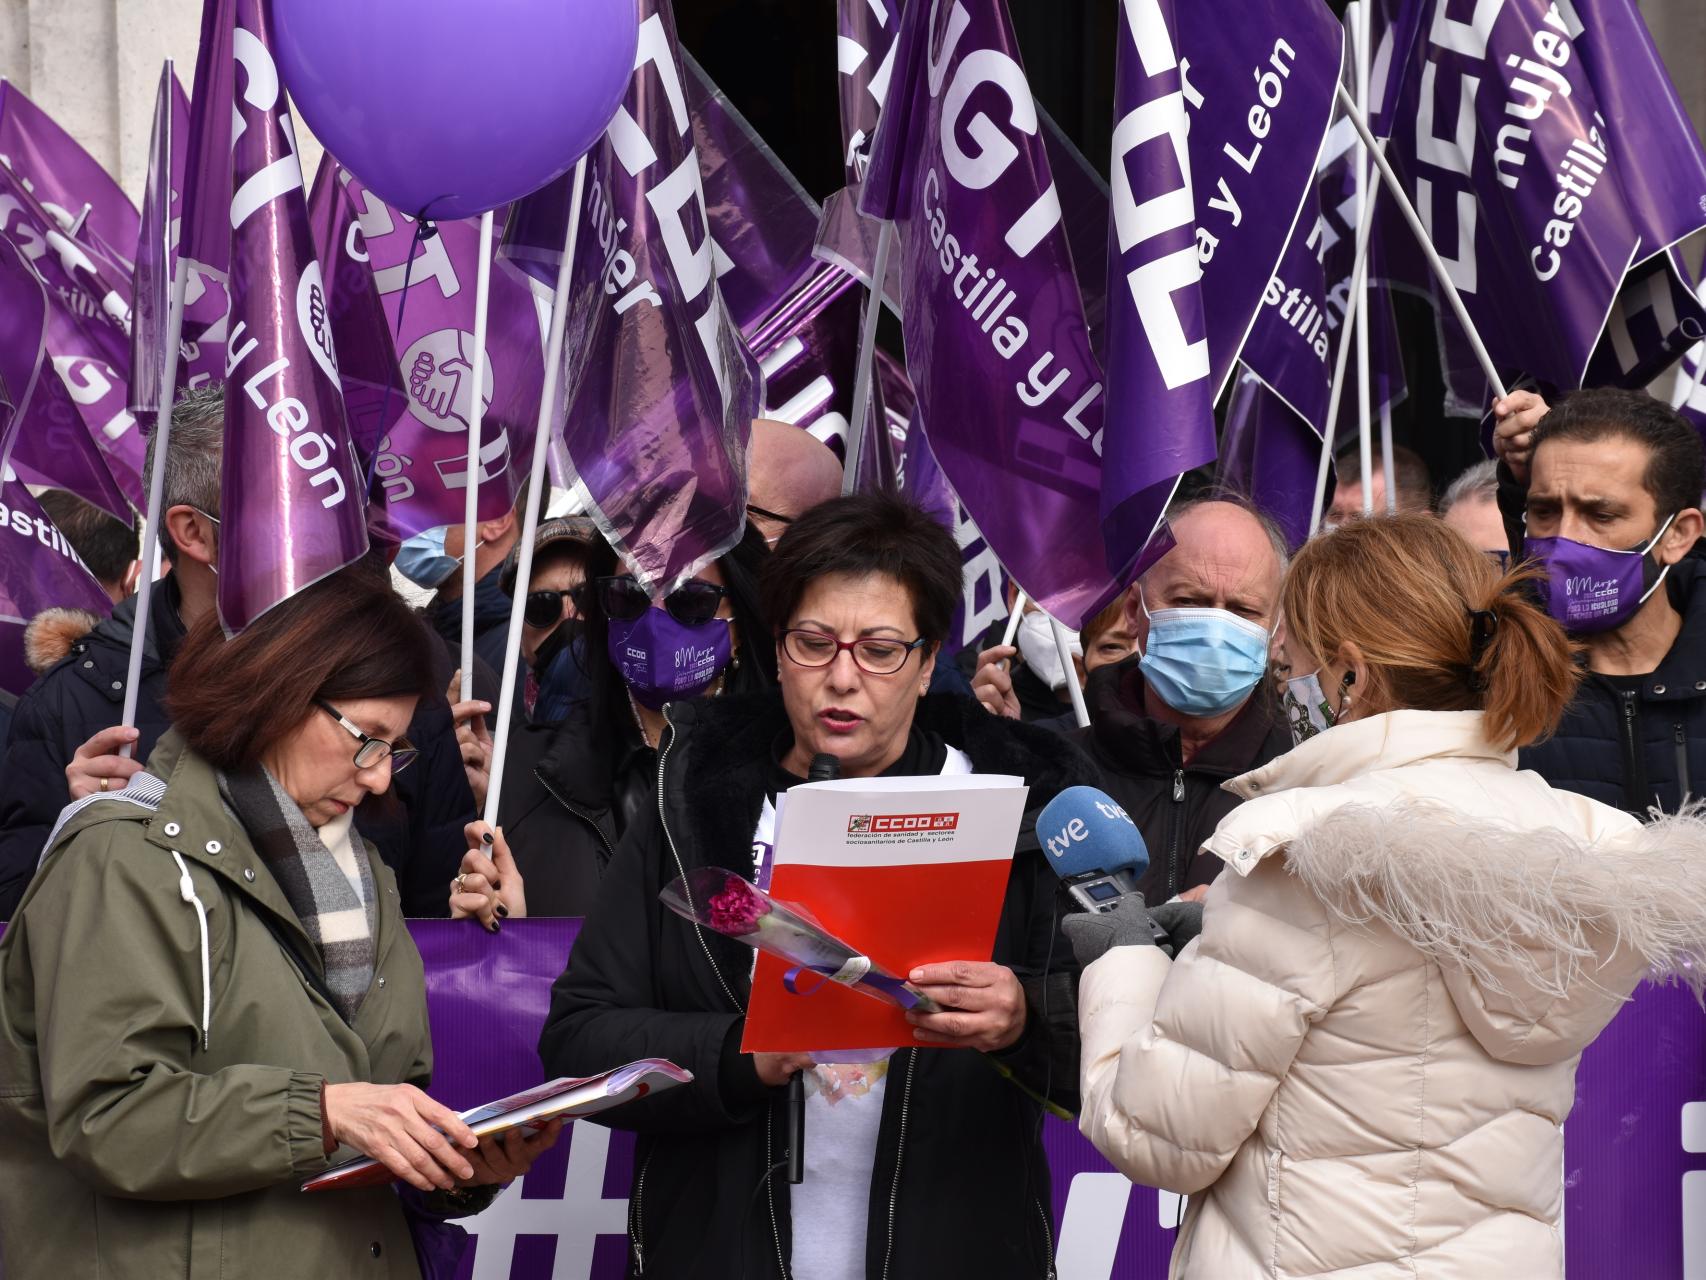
x=447 y=109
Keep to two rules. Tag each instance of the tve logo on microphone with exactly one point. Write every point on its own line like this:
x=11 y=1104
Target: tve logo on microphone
x=1075 y=831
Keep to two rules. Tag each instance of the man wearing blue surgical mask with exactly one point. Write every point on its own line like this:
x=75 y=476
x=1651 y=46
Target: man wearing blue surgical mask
x=1191 y=707
x=1604 y=491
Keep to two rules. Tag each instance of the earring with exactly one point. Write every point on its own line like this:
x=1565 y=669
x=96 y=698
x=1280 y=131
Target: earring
x=734 y=661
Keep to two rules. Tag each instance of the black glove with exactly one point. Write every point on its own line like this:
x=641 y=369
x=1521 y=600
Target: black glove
x=1093 y=932
x=1181 y=920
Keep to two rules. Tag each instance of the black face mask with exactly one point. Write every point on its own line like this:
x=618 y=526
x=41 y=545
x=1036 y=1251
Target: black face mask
x=566 y=634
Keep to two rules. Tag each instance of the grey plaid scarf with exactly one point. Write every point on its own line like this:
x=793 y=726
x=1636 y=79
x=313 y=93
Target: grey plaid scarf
x=340 y=926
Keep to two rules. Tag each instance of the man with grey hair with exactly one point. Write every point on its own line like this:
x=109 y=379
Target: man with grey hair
x=65 y=738
x=1192 y=707
x=1471 y=506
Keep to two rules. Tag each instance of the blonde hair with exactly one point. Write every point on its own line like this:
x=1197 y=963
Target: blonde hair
x=1407 y=591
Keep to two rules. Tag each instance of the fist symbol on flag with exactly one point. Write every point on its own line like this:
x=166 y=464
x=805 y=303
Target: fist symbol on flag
x=440 y=380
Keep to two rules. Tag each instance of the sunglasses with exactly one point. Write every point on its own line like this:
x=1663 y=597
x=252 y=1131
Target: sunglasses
x=692 y=604
x=545 y=608
x=372 y=750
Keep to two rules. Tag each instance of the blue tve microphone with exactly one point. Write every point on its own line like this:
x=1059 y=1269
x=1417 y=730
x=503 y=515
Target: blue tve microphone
x=1093 y=846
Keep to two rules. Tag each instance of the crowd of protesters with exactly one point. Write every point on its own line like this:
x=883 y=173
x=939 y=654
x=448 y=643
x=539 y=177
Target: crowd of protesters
x=207 y=993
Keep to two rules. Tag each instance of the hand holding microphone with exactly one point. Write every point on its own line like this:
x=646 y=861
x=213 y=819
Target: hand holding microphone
x=1099 y=854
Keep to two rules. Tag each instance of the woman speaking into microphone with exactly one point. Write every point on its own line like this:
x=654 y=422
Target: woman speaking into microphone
x=1361 y=1066
x=862 y=592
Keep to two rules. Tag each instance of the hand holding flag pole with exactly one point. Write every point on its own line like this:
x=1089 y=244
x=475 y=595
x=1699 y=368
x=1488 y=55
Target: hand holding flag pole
x=535 y=486
x=471 y=499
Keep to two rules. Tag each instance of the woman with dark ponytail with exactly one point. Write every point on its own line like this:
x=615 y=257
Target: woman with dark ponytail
x=1362 y=1064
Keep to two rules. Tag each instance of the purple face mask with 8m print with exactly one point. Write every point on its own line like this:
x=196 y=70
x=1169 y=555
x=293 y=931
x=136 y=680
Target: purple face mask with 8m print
x=1590 y=589
x=662 y=659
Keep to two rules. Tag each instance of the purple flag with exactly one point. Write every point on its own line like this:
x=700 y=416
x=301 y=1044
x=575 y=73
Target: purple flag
x=38 y=570
x=1503 y=146
x=43 y=432
x=661 y=389
x=997 y=345
x=1270 y=455
x=204 y=181
x=292 y=505
x=1295 y=339
x=864 y=57
x=83 y=199
x=1210 y=173
x=422 y=455
x=1661 y=170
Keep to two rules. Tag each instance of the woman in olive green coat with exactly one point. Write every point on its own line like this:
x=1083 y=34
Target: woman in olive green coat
x=208 y=989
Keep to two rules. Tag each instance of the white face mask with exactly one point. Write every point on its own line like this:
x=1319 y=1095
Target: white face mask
x=1041 y=654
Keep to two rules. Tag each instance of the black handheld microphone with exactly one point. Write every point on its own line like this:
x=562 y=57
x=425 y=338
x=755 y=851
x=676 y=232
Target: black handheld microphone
x=824 y=768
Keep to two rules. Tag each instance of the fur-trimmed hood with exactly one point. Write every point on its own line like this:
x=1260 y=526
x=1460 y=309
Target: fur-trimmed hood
x=1413 y=822
x=50 y=634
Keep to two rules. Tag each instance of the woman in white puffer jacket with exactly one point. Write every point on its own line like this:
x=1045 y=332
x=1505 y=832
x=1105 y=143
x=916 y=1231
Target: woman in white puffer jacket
x=1361 y=1066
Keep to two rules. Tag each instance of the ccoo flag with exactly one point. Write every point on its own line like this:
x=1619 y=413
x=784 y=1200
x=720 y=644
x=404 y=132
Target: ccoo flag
x=997 y=347
x=1219 y=119
x=292 y=505
x=660 y=387
x=1506 y=150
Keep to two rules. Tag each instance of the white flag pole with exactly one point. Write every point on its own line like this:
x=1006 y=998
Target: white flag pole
x=157 y=473
x=1353 y=318
x=476 y=415
x=867 y=357
x=1388 y=469
x=1019 y=602
x=1079 y=711
x=1452 y=297
x=535 y=491
x=1356 y=15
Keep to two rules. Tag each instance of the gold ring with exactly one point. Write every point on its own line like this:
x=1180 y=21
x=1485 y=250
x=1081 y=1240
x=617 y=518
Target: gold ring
x=456 y=884
x=104 y=782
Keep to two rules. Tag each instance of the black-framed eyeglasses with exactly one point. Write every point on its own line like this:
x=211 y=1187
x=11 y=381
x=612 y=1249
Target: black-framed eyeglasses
x=873 y=654
x=545 y=608
x=692 y=604
x=762 y=514
x=372 y=750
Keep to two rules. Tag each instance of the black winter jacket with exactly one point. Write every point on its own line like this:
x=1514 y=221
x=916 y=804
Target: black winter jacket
x=1639 y=743
x=960 y=1184
x=417 y=827
x=1634 y=744
x=570 y=791
x=1175 y=805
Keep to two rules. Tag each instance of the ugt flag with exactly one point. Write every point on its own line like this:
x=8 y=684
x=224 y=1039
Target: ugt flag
x=1009 y=392
x=1220 y=112
x=292 y=505
x=660 y=388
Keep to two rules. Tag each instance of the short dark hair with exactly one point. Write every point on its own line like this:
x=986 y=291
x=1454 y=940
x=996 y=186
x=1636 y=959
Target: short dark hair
x=1415 y=482
x=348 y=636
x=106 y=545
x=863 y=534
x=1676 y=469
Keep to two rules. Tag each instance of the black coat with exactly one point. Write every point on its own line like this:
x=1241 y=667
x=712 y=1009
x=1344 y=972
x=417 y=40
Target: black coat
x=1639 y=744
x=1632 y=744
x=417 y=827
x=958 y=1157
x=1176 y=805
x=570 y=790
